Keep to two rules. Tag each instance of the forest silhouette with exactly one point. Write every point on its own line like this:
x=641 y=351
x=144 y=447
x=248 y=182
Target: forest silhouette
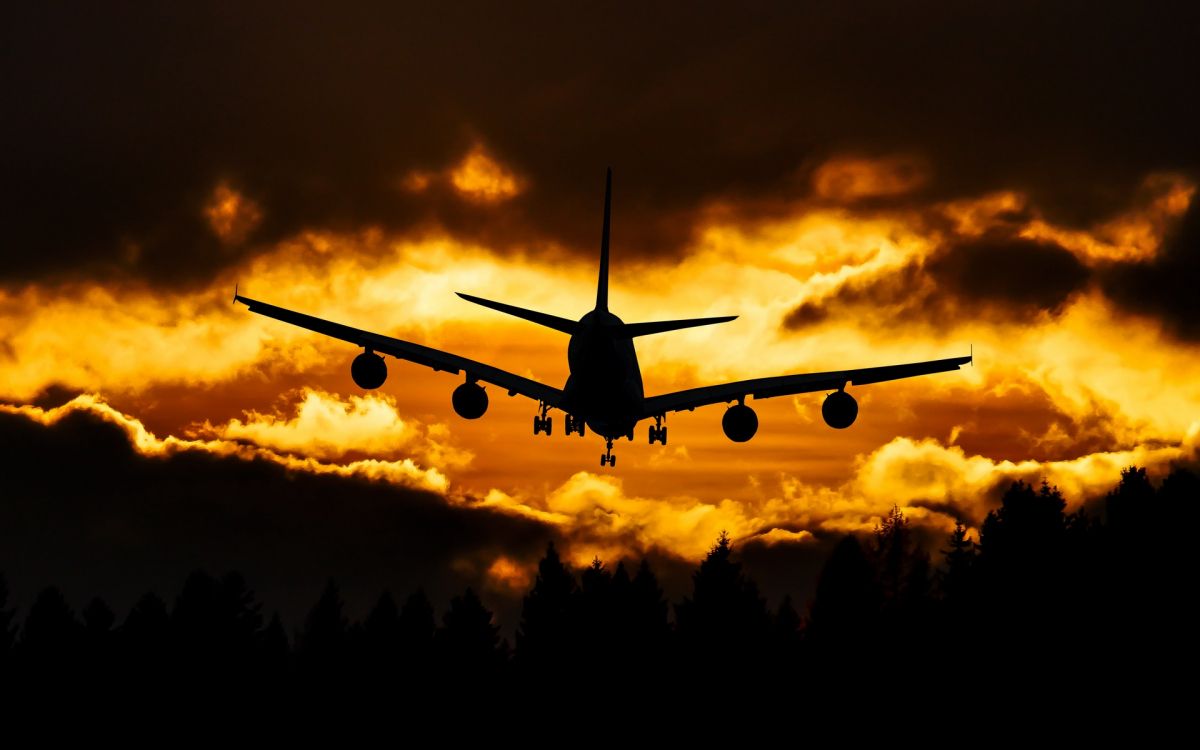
x=1048 y=597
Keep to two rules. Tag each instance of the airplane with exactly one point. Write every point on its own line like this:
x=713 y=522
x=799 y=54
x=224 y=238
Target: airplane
x=604 y=388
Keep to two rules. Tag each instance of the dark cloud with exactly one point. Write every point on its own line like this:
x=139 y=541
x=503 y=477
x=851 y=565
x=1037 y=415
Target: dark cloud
x=81 y=509
x=998 y=276
x=1022 y=276
x=1166 y=287
x=120 y=120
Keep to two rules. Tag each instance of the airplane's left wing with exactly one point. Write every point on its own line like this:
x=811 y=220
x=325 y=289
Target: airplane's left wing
x=787 y=385
x=422 y=355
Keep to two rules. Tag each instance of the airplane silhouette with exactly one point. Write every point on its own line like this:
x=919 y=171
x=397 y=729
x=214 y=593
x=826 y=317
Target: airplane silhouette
x=604 y=388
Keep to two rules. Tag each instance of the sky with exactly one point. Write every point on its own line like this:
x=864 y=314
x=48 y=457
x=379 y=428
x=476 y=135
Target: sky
x=861 y=183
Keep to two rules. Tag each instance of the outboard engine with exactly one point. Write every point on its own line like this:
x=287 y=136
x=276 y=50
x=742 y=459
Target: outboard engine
x=740 y=423
x=368 y=371
x=839 y=410
x=470 y=401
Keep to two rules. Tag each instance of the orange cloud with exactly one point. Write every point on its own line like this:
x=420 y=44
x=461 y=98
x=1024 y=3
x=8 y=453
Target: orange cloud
x=1128 y=381
x=846 y=179
x=509 y=574
x=231 y=215
x=480 y=177
x=404 y=472
x=1133 y=236
x=328 y=427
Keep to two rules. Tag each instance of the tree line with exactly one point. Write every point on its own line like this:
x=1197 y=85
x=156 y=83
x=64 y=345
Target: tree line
x=1070 y=595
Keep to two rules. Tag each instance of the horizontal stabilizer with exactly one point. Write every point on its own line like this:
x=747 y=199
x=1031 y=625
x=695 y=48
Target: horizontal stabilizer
x=542 y=319
x=659 y=326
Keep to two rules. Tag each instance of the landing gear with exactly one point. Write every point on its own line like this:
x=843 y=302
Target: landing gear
x=608 y=458
x=658 y=432
x=574 y=425
x=543 y=423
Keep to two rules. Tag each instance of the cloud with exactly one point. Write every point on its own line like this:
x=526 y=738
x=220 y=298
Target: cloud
x=480 y=177
x=231 y=215
x=326 y=426
x=324 y=131
x=851 y=179
x=403 y=472
x=1162 y=288
x=97 y=506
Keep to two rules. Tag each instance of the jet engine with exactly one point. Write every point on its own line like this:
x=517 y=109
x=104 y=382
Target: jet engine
x=470 y=401
x=368 y=371
x=740 y=423
x=839 y=410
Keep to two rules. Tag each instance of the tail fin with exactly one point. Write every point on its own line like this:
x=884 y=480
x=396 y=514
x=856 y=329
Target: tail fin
x=602 y=285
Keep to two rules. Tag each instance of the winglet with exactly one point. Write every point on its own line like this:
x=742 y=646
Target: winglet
x=235 y=290
x=972 y=355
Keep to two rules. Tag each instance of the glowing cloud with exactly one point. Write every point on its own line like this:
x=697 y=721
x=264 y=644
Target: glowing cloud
x=231 y=215
x=480 y=177
x=849 y=179
x=403 y=472
x=328 y=427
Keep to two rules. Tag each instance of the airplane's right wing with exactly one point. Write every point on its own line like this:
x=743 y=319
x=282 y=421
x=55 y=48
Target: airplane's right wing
x=787 y=385
x=436 y=359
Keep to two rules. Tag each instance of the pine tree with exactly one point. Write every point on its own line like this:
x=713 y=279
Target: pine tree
x=547 y=635
x=8 y=631
x=843 y=618
x=959 y=564
x=274 y=651
x=380 y=643
x=51 y=638
x=144 y=638
x=417 y=628
x=468 y=642
x=724 y=619
x=321 y=647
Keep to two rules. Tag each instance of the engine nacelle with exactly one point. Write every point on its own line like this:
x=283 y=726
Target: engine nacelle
x=368 y=371
x=839 y=410
x=470 y=401
x=740 y=423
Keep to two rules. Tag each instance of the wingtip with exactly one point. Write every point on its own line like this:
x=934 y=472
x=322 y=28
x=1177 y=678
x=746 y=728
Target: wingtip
x=235 y=293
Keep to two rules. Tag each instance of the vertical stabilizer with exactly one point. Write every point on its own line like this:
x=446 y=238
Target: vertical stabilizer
x=602 y=285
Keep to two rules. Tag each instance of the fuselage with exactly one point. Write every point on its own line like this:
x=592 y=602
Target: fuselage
x=605 y=384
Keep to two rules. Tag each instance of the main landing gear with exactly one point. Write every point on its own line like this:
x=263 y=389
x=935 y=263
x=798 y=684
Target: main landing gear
x=608 y=458
x=658 y=432
x=544 y=423
x=574 y=425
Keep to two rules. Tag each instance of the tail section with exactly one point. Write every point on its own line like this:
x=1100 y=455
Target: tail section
x=613 y=326
x=541 y=318
x=632 y=330
x=602 y=285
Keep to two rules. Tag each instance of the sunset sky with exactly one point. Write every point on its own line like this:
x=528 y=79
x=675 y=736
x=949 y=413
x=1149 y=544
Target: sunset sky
x=861 y=183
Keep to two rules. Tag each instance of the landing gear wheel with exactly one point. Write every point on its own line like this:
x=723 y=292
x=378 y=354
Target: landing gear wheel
x=608 y=458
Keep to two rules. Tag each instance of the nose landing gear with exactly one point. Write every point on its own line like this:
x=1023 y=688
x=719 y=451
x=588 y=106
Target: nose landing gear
x=608 y=458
